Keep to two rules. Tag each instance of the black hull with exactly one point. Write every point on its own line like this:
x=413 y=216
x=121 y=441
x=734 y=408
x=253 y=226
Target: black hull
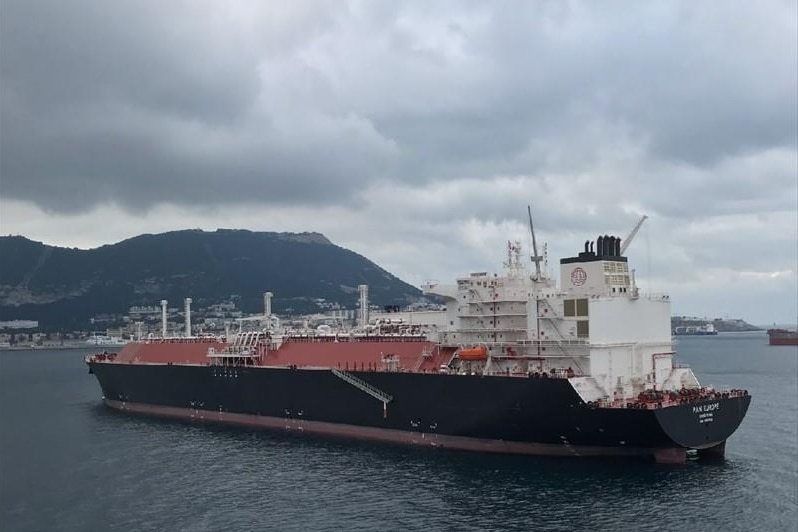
x=498 y=414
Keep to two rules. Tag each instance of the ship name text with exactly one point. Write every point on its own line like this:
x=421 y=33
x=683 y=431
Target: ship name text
x=706 y=413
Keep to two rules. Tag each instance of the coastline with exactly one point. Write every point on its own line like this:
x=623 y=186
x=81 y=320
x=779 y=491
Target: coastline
x=56 y=346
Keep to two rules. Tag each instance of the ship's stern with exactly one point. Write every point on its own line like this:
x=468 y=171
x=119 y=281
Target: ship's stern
x=702 y=425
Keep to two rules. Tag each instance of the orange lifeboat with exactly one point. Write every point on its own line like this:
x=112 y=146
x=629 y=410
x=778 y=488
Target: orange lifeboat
x=473 y=353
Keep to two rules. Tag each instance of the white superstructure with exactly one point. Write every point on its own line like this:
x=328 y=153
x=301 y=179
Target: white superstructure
x=596 y=328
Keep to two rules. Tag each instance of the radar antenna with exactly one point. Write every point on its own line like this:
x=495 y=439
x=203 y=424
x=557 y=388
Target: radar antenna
x=535 y=257
x=631 y=235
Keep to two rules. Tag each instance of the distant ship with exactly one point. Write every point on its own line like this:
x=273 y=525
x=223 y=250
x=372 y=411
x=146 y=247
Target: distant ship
x=707 y=329
x=782 y=337
x=106 y=341
x=515 y=364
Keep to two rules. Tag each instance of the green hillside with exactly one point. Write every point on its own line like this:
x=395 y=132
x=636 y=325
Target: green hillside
x=64 y=288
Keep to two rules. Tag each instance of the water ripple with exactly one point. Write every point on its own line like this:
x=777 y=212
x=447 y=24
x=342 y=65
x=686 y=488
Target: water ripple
x=69 y=463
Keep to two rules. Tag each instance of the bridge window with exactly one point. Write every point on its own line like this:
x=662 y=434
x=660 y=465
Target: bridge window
x=575 y=307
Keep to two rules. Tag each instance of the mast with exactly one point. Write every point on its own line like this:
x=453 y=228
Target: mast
x=187 y=303
x=163 y=318
x=364 y=305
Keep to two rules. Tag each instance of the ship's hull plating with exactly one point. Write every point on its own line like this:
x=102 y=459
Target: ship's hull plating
x=782 y=337
x=493 y=414
x=784 y=340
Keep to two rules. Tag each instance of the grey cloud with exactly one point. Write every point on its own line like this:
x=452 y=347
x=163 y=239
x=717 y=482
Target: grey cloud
x=309 y=104
x=146 y=163
x=61 y=55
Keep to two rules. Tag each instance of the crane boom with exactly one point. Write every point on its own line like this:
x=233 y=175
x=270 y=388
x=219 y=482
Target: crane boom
x=631 y=235
x=535 y=258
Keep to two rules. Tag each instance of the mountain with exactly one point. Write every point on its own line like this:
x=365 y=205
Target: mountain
x=63 y=288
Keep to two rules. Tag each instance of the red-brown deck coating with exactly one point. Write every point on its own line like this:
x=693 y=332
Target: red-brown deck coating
x=168 y=351
x=360 y=354
x=352 y=354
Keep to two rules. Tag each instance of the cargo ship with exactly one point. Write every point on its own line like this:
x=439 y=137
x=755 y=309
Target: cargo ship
x=782 y=337
x=707 y=329
x=514 y=364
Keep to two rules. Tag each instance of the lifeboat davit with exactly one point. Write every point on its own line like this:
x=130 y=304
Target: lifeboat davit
x=473 y=353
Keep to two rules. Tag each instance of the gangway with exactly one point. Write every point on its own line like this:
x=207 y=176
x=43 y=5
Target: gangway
x=362 y=385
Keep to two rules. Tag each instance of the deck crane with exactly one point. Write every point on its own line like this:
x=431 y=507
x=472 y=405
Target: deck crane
x=535 y=258
x=631 y=235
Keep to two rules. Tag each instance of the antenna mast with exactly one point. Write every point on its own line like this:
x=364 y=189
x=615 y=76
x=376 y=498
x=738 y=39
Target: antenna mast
x=535 y=258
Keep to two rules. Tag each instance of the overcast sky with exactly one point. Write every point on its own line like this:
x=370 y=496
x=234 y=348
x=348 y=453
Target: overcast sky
x=416 y=133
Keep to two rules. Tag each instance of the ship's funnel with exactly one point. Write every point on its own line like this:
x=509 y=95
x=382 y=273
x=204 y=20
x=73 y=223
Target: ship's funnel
x=188 y=316
x=163 y=318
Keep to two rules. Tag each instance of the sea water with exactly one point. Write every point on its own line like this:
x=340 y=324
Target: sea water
x=69 y=463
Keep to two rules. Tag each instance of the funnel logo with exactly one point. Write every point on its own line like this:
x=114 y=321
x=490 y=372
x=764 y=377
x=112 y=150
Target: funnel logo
x=578 y=276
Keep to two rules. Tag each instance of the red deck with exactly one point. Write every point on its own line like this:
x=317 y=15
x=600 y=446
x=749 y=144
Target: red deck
x=172 y=351
x=413 y=354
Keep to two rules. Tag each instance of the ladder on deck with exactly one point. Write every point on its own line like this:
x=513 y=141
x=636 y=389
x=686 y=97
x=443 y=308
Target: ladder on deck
x=363 y=385
x=425 y=355
x=553 y=316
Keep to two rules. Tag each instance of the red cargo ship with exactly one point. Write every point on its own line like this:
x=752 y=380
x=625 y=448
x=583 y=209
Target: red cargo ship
x=782 y=337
